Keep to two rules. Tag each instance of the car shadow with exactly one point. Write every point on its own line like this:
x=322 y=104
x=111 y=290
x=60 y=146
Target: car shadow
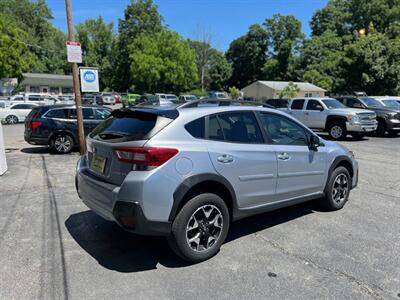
x=43 y=150
x=121 y=251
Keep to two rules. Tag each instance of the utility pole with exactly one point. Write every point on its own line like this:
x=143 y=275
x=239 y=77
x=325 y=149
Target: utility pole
x=75 y=80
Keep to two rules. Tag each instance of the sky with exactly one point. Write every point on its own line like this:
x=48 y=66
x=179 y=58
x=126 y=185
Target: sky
x=226 y=20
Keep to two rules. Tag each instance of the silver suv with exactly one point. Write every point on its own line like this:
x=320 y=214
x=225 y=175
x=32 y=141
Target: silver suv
x=187 y=172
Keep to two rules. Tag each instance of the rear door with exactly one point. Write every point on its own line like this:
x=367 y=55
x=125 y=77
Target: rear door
x=297 y=109
x=301 y=171
x=238 y=152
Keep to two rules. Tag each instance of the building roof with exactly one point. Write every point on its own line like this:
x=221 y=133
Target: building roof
x=280 y=85
x=46 y=79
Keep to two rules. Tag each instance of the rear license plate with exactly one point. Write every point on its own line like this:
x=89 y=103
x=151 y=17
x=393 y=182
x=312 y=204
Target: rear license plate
x=98 y=163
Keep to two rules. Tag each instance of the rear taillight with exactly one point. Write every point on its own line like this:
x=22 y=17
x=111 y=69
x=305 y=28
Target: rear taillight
x=35 y=124
x=145 y=156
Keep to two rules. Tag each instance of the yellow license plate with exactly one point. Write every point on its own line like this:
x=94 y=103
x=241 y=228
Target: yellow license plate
x=98 y=163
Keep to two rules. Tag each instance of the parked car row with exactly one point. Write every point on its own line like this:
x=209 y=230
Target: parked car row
x=158 y=98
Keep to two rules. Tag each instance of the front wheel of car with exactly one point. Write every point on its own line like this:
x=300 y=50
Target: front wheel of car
x=337 y=190
x=62 y=143
x=200 y=228
x=337 y=131
x=12 y=119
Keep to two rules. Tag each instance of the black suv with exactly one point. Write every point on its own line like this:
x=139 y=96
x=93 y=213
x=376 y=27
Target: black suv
x=388 y=117
x=55 y=125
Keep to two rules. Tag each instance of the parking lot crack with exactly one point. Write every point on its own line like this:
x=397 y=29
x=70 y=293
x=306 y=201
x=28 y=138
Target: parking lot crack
x=373 y=291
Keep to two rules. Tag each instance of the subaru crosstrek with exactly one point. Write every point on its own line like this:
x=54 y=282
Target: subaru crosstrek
x=188 y=172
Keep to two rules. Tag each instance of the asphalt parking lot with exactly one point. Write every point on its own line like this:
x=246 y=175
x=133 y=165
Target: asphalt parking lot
x=53 y=247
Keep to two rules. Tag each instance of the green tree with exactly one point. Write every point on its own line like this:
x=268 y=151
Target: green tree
x=141 y=17
x=97 y=40
x=247 y=55
x=371 y=63
x=14 y=58
x=234 y=92
x=284 y=37
x=289 y=91
x=162 y=62
x=46 y=43
x=212 y=67
x=320 y=61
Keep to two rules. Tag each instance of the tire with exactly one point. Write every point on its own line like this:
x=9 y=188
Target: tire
x=62 y=143
x=358 y=135
x=337 y=131
x=11 y=119
x=194 y=215
x=337 y=191
x=381 y=129
x=393 y=132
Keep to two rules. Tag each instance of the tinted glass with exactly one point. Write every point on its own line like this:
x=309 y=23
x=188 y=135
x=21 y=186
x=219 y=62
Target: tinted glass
x=313 y=105
x=240 y=127
x=196 y=128
x=33 y=97
x=130 y=126
x=71 y=113
x=391 y=103
x=214 y=129
x=282 y=131
x=22 y=106
x=371 y=102
x=87 y=114
x=297 y=104
x=101 y=113
x=57 y=114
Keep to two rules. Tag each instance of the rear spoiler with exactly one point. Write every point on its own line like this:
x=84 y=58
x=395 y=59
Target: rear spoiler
x=145 y=113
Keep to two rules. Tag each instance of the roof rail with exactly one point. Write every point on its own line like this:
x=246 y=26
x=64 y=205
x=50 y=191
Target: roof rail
x=220 y=102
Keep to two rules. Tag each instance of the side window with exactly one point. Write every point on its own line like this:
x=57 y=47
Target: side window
x=240 y=127
x=351 y=102
x=71 y=112
x=196 y=128
x=102 y=114
x=56 y=114
x=214 y=129
x=34 y=98
x=19 y=106
x=297 y=104
x=314 y=105
x=87 y=114
x=282 y=131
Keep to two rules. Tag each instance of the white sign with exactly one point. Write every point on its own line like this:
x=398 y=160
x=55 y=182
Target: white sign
x=3 y=161
x=74 y=52
x=89 y=79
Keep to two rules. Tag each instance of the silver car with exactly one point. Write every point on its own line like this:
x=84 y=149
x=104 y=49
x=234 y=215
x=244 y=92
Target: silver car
x=187 y=172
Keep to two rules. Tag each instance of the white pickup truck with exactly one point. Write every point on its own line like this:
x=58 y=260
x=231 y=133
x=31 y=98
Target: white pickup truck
x=327 y=114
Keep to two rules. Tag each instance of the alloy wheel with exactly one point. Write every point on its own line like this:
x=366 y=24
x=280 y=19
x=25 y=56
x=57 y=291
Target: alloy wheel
x=340 y=188
x=336 y=131
x=12 y=120
x=62 y=144
x=204 y=228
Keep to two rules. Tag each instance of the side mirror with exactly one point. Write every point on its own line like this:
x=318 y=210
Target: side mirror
x=358 y=105
x=314 y=143
x=319 y=107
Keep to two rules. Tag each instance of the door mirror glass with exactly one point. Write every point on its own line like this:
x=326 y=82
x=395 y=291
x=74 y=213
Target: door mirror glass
x=319 y=107
x=358 y=105
x=314 y=142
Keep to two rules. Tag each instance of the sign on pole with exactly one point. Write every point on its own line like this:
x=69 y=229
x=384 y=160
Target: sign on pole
x=74 y=52
x=89 y=79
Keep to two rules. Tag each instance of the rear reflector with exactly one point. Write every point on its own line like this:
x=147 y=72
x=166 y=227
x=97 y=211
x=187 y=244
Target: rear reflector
x=145 y=156
x=35 y=124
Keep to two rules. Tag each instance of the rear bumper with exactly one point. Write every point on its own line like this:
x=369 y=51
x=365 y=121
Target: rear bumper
x=36 y=140
x=361 y=127
x=102 y=198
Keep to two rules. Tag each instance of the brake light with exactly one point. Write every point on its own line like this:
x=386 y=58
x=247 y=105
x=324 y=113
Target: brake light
x=145 y=156
x=35 y=124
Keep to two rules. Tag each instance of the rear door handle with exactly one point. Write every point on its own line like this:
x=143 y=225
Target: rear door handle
x=283 y=156
x=225 y=158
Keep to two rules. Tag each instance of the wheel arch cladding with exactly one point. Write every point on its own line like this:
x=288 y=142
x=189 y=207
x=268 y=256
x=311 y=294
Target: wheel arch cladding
x=334 y=118
x=203 y=183
x=342 y=161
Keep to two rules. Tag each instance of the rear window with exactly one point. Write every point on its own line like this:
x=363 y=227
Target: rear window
x=127 y=125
